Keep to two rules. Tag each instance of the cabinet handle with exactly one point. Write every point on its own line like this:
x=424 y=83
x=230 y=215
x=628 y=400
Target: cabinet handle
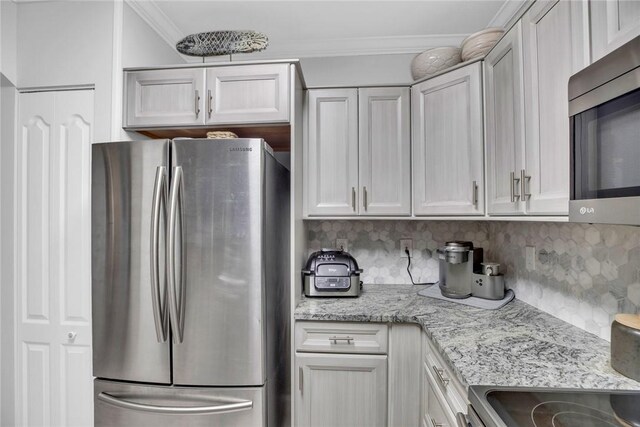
x=300 y=371
x=353 y=198
x=524 y=179
x=335 y=339
x=513 y=185
x=364 y=198
x=434 y=423
x=474 y=193
x=197 y=103
x=440 y=375
x=210 y=102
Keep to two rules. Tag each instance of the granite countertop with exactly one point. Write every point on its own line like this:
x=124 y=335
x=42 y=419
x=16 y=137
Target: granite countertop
x=517 y=345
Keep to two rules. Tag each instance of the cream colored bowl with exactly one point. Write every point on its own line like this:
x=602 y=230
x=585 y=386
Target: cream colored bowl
x=478 y=44
x=432 y=61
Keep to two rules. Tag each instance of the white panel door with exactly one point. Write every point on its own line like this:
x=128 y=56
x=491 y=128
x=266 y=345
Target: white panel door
x=53 y=301
x=331 y=152
x=248 y=94
x=613 y=23
x=384 y=151
x=341 y=390
x=170 y=97
x=553 y=51
x=505 y=124
x=448 y=160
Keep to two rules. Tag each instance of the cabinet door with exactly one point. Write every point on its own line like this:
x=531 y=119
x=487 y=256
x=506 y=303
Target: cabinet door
x=248 y=94
x=331 y=154
x=344 y=390
x=448 y=144
x=504 y=119
x=164 y=97
x=384 y=151
x=553 y=51
x=613 y=23
x=435 y=410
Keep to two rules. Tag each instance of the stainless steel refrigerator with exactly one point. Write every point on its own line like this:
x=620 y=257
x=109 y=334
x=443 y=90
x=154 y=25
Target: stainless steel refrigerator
x=190 y=282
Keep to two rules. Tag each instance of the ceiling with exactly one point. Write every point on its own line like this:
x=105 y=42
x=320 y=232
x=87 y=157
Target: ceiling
x=312 y=28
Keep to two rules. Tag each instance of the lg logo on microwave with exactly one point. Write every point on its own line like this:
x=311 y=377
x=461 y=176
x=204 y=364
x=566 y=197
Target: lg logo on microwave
x=586 y=210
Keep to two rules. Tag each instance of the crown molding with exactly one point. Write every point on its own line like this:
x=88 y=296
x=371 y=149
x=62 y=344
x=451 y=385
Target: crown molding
x=510 y=10
x=157 y=20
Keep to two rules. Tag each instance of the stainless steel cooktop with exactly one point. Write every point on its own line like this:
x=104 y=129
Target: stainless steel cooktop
x=549 y=407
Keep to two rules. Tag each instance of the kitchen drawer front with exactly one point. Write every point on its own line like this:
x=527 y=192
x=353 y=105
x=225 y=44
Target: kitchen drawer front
x=341 y=337
x=443 y=377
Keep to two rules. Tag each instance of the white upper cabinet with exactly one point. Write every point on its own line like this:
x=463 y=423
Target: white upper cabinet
x=504 y=121
x=448 y=144
x=554 y=49
x=358 y=173
x=207 y=96
x=247 y=94
x=384 y=151
x=331 y=152
x=613 y=23
x=164 y=97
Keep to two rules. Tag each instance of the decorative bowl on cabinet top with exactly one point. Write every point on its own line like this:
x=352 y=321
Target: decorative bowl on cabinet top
x=434 y=60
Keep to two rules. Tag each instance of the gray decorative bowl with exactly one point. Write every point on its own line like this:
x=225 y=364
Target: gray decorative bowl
x=434 y=60
x=214 y=43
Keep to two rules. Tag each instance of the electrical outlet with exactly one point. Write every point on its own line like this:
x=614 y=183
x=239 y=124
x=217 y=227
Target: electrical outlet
x=406 y=243
x=530 y=257
x=342 y=244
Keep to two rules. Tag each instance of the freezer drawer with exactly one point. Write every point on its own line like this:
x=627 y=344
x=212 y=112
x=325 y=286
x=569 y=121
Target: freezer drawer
x=124 y=404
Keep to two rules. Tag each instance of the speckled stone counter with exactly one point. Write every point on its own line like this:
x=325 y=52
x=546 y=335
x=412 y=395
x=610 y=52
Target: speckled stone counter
x=517 y=345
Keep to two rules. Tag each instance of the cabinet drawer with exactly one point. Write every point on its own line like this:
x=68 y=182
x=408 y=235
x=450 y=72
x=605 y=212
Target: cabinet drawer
x=443 y=377
x=339 y=337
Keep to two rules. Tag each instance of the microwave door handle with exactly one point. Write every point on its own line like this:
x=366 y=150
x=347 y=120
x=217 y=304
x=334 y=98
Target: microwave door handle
x=174 y=310
x=159 y=313
x=118 y=401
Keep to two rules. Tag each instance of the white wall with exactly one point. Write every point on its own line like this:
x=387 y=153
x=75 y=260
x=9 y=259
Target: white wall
x=68 y=43
x=356 y=71
x=7 y=131
x=8 y=30
x=142 y=46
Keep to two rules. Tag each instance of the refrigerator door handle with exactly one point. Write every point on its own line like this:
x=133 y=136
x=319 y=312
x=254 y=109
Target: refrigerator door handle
x=176 y=303
x=159 y=306
x=240 y=405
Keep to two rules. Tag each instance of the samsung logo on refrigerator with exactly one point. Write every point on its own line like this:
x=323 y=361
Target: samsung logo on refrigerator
x=241 y=149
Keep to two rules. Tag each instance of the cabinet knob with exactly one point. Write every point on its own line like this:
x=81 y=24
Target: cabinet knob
x=72 y=335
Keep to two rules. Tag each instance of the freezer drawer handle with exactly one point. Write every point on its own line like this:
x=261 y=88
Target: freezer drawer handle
x=176 y=293
x=159 y=307
x=242 y=405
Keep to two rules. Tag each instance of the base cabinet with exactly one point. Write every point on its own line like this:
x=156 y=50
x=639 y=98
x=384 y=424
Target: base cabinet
x=341 y=390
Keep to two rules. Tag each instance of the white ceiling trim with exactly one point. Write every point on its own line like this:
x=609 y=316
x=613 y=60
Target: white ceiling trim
x=506 y=13
x=157 y=20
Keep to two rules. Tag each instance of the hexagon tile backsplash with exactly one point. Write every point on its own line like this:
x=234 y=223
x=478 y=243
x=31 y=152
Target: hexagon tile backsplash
x=584 y=274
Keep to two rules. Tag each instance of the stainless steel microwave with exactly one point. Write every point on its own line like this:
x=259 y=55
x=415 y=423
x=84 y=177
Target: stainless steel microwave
x=604 y=107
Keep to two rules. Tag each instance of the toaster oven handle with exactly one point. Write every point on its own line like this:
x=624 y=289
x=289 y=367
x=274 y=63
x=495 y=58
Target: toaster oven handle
x=307 y=272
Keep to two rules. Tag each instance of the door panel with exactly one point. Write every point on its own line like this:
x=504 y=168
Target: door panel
x=341 y=390
x=125 y=344
x=53 y=299
x=505 y=124
x=248 y=94
x=331 y=157
x=448 y=144
x=384 y=151
x=250 y=406
x=165 y=97
x=221 y=244
x=552 y=39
